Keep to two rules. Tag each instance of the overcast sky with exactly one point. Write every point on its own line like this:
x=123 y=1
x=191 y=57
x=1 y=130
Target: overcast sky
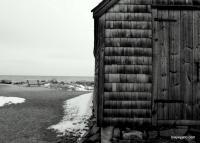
x=46 y=37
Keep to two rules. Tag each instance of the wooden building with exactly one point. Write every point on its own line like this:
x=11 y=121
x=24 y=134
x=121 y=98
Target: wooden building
x=147 y=62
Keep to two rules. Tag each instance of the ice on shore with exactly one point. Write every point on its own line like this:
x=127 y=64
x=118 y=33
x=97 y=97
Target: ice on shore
x=77 y=111
x=10 y=100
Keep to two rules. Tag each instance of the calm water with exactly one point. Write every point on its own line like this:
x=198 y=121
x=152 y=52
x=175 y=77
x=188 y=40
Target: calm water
x=58 y=78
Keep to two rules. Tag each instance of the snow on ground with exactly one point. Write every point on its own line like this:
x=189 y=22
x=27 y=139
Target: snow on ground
x=77 y=111
x=10 y=100
x=80 y=88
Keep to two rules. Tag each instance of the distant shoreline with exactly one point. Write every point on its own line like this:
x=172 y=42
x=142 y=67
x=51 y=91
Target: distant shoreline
x=52 y=83
x=20 y=78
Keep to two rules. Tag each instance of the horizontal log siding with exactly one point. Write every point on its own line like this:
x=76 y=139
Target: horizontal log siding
x=128 y=104
x=128 y=51
x=133 y=33
x=128 y=78
x=128 y=63
x=128 y=60
x=127 y=96
x=128 y=24
x=124 y=121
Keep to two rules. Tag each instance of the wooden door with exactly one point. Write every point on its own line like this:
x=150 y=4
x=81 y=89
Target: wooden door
x=175 y=62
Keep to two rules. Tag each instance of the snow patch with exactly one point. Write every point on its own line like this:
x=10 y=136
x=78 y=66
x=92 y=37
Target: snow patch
x=10 y=100
x=77 y=111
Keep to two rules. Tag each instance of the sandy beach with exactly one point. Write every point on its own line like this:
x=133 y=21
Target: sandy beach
x=28 y=122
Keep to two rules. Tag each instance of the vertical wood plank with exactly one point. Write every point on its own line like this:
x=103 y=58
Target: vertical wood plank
x=182 y=73
x=174 y=62
x=195 y=44
x=186 y=62
x=159 y=43
x=101 y=69
x=155 y=68
x=196 y=59
x=165 y=63
x=176 y=76
x=190 y=65
x=171 y=66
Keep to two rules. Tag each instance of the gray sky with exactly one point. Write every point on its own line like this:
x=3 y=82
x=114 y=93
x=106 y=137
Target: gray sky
x=46 y=37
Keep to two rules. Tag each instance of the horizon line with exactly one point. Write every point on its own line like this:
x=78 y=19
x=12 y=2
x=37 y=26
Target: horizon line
x=44 y=75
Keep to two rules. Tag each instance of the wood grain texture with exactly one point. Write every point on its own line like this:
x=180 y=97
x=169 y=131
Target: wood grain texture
x=176 y=2
x=127 y=33
x=119 y=16
x=135 y=2
x=196 y=60
x=128 y=113
x=177 y=70
x=132 y=75
x=128 y=51
x=128 y=24
x=127 y=59
x=155 y=67
x=174 y=92
x=130 y=96
x=127 y=104
x=117 y=121
x=127 y=87
x=186 y=57
x=130 y=8
x=128 y=42
x=128 y=78
x=101 y=70
x=128 y=69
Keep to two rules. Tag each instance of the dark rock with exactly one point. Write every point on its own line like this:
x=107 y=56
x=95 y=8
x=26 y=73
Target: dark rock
x=131 y=141
x=133 y=135
x=145 y=135
x=106 y=134
x=94 y=120
x=94 y=138
x=59 y=141
x=153 y=134
x=94 y=130
x=83 y=140
x=196 y=131
x=86 y=135
x=115 y=140
x=173 y=132
x=116 y=133
x=127 y=129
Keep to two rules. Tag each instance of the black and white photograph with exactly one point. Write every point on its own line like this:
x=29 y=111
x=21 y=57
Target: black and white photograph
x=100 y=71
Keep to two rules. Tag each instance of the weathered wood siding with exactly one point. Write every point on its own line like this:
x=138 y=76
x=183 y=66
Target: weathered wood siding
x=96 y=70
x=196 y=65
x=148 y=62
x=128 y=63
x=99 y=43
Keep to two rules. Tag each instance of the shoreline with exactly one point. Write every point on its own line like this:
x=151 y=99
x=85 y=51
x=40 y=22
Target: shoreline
x=54 y=84
x=43 y=108
x=23 y=78
x=77 y=112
